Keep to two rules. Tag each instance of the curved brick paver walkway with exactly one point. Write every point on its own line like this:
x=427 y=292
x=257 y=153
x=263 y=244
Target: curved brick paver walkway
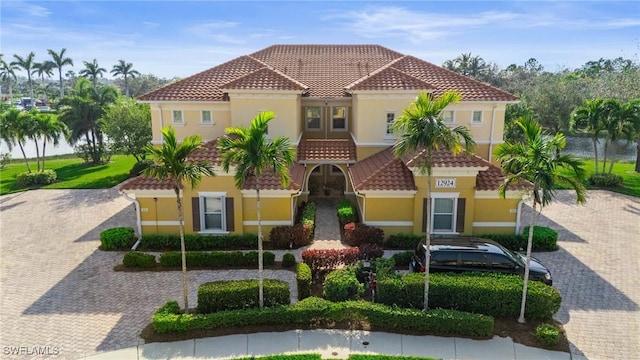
x=59 y=291
x=596 y=271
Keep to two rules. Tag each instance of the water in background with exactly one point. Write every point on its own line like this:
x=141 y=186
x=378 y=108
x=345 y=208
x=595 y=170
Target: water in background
x=583 y=147
x=30 y=149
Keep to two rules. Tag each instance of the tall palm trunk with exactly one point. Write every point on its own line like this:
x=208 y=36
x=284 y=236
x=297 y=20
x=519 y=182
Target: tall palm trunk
x=638 y=155
x=260 y=261
x=60 y=77
x=527 y=263
x=604 y=156
x=35 y=140
x=44 y=146
x=24 y=156
x=614 y=146
x=595 y=151
x=427 y=252
x=185 y=288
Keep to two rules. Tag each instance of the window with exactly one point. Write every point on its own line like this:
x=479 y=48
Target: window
x=339 y=118
x=205 y=117
x=476 y=117
x=312 y=118
x=473 y=259
x=177 y=117
x=501 y=262
x=448 y=117
x=445 y=258
x=391 y=117
x=443 y=215
x=212 y=213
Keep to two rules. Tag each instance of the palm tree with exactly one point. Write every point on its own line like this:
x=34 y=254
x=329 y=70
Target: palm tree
x=15 y=127
x=171 y=162
x=26 y=63
x=421 y=128
x=42 y=69
x=249 y=151
x=590 y=119
x=92 y=70
x=125 y=69
x=59 y=61
x=49 y=128
x=537 y=160
x=8 y=73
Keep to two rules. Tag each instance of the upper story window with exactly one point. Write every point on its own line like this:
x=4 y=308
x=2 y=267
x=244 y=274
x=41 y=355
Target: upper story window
x=312 y=118
x=339 y=118
x=177 y=117
x=448 y=117
x=476 y=117
x=391 y=117
x=205 y=117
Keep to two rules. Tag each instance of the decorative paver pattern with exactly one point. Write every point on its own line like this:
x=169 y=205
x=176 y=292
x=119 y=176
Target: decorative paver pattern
x=596 y=271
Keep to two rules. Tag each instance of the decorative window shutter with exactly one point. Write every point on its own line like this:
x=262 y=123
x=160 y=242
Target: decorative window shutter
x=460 y=212
x=229 y=214
x=195 y=211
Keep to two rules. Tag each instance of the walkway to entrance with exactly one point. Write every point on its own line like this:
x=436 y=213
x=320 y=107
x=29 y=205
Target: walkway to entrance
x=327 y=233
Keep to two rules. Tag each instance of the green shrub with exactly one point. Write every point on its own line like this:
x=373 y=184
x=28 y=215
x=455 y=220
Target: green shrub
x=512 y=242
x=547 y=334
x=120 y=238
x=314 y=310
x=402 y=259
x=164 y=242
x=216 y=259
x=403 y=241
x=136 y=259
x=139 y=167
x=288 y=260
x=240 y=294
x=303 y=279
x=605 y=180
x=489 y=294
x=342 y=285
x=44 y=177
x=346 y=211
x=544 y=238
x=308 y=218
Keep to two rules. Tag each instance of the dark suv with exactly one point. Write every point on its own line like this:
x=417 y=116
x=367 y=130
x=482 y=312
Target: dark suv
x=473 y=254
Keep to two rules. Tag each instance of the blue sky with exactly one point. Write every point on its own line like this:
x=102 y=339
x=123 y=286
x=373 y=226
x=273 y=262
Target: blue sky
x=181 y=38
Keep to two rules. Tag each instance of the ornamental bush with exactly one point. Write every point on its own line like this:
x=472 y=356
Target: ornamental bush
x=168 y=318
x=605 y=180
x=303 y=279
x=402 y=259
x=323 y=261
x=403 y=241
x=288 y=260
x=489 y=294
x=168 y=242
x=216 y=259
x=44 y=177
x=287 y=237
x=547 y=334
x=358 y=234
x=544 y=238
x=346 y=211
x=134 y=259
x=342 y=285
x=120 y=238
x=240 y=294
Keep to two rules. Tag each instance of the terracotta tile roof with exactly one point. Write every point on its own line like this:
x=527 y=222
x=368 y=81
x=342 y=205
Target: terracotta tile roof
x=381 y=171
x=492 y=178
x=443 y=158
x=327 y=150
x=208 y=151
x=324 y=71
x=146 y=183
x=265 y=79
x=269 y=181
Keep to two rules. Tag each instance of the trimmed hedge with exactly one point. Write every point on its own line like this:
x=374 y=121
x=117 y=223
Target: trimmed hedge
x=403 y=241
x=288 y=260
x=168 y=318
x=547 y=334
x=134 y=259
x=358 y=234
x=120 y=238
x=240 y=294
x=402 y=259
x=303 y=279
x=329 y=259
x=342 y=285
x=490 y=294
x=44 y=177
x=544 y=239
x=346 y=211
x=287 y=237
x=216 y=259
x=199 y=242
x=605 y=180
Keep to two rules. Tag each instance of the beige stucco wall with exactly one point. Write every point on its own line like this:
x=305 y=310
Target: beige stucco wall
x=162 y=115
x=246 y=106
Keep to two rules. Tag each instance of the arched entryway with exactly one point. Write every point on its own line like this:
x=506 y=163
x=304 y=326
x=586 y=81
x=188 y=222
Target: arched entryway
x=327 y=180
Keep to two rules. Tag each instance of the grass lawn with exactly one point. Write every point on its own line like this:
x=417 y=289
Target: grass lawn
x=631 y=179
x=72 y=173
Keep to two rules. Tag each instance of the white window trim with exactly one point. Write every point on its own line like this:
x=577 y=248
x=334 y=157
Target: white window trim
x=306 y=119
x=481 y=117
x=453 y=117
x=346 y=119
x=173 y=117
x=389 y=135
x=454 y=220
x=222 y=196
x=202 y=118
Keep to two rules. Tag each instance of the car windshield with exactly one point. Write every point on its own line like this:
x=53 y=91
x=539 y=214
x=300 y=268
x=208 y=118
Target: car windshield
x=515 y=257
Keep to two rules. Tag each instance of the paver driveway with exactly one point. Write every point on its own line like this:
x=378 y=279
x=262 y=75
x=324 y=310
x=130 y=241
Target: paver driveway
x=597 y=270
x=59 y=290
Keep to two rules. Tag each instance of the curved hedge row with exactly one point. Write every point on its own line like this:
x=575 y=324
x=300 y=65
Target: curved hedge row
x=168 y=318
x=490 y=294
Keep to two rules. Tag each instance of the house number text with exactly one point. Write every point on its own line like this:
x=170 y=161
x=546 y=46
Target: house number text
x=445 y=183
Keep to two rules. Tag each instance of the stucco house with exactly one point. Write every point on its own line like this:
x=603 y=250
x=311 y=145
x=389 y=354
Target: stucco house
x=336 y=104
